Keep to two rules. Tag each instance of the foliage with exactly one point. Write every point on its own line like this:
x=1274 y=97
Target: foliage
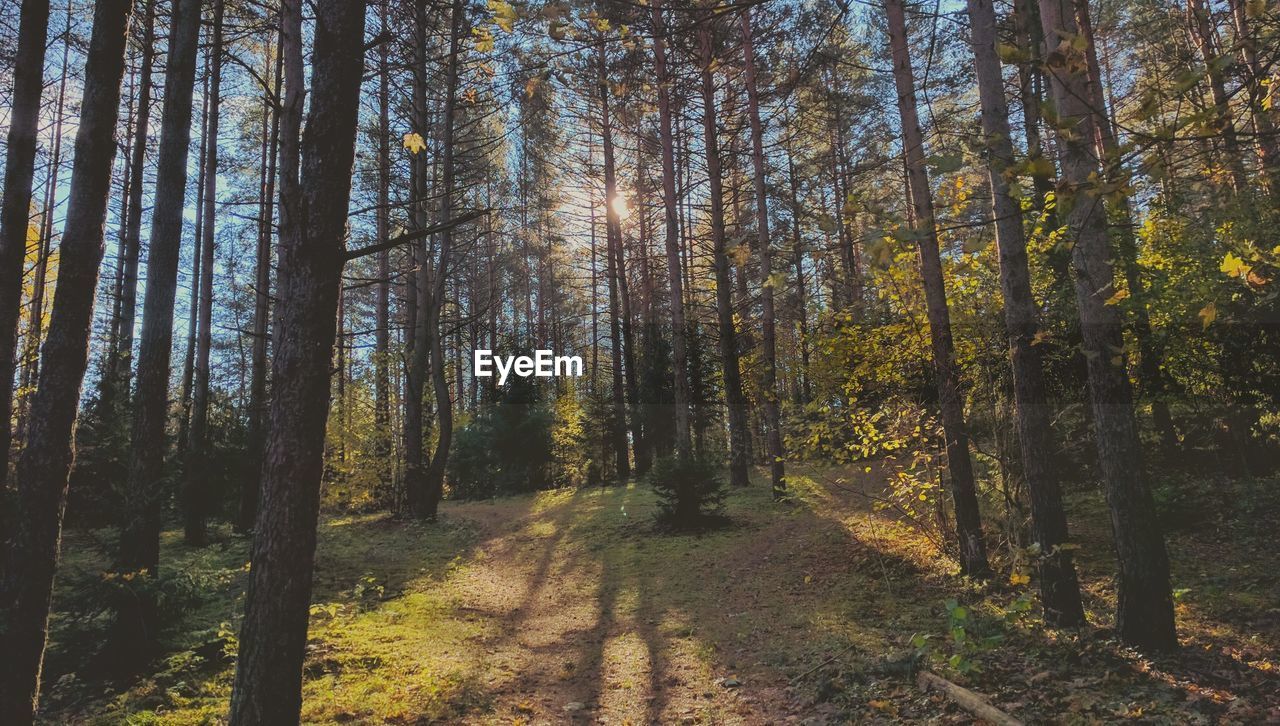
x=690 y=489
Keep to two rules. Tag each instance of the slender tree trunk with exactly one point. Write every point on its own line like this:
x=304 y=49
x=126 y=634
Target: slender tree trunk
x=1263 y=127
x=262 y=298
x=31 y=554
x=382 y=345
x=1144 y=614
x=1153 y=380
x=35 y=322
x=197 y=264
x=679 y=346
x=440 y=274
x=268 y=681
x=1059 y=589
x=973 y=555
x=802 y=304
x=144 y=497
x=613 y=235
x=122 y=366
x=15 y=215
x=418 y=348
x=194 y=480
x=735 y=400
x=1203 y=35
x=768 y=347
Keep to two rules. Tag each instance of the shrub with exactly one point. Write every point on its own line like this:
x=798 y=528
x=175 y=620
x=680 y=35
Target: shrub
x=690 y=490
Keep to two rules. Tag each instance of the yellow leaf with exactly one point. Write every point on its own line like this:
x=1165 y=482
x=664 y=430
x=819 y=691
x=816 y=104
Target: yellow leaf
x=483 y=39
x=414 y=142
x=1208 y=314
x=1234 y=266
x=1019 y=578
x=1119 y=296
x=504 y=16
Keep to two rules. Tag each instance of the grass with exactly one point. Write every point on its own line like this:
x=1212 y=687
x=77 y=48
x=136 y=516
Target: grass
x=566 y=605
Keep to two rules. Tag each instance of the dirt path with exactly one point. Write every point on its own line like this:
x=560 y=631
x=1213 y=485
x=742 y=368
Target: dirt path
x=577 y=637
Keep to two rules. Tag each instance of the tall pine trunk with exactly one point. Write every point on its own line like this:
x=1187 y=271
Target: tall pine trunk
x=768 y=346
x=973 y=555
x=195 y=483
x=675 y=274
x=735 y=400
x=1144 y=611
x=261 y=300
x=613 y=237
x=15 y=215
x=31 y=555
x=1059 y=589
x=268 y=680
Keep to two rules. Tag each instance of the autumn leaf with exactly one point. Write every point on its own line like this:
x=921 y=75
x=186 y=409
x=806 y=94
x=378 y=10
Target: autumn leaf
x=504 y=16
x=1019 y=578
x=1117 y=298
x=483 y=39
x=414 y=142
x=1208 y=314
x=1234 y=266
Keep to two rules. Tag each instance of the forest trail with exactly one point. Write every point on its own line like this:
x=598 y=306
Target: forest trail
x=567 y=607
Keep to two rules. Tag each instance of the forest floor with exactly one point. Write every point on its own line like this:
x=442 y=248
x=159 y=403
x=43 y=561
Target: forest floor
x=567 y=607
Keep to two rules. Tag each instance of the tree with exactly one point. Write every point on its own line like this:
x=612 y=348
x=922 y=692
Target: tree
x=769 y=375
x=30 y=558
x=144 y=496
x=15 y=215
x=1144 y=607
x=268 y=681
x=1059 y=590
x=194 y=490
x=973 y=555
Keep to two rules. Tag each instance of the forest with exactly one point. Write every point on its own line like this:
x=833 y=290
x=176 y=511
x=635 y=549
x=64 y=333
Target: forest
x=921 y=361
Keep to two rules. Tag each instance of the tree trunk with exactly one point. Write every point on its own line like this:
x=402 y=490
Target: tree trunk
x=679 y=354
x=1059 y=589
x=613 y=237
x=15 y=215
x=382 y=344
x=768 y=346
x=1203 y=35
x=1263 y=127
x=268 y=681
x=440 y=273
x=735 y=401
x=144 y=497
x=122 y=366
x=195 y=483
x=261 y=301
x=1144 y=614
x=31 y=555
x=973 y=555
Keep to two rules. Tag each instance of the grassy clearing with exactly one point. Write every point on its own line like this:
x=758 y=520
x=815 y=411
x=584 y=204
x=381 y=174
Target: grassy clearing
x=565 y=605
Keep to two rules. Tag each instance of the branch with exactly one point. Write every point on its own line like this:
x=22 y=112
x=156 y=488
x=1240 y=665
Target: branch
x=414 y=236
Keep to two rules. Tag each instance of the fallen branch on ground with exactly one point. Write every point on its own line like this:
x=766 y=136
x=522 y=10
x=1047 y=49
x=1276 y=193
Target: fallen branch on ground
x=966 y=699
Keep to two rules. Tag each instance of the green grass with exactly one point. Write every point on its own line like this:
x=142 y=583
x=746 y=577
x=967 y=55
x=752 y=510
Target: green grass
x=513 y=611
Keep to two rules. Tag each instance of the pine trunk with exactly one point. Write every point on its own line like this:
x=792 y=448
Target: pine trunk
x=1144 y=613
x=268 y=681
x=1059 y=588
x=973 y=555
x=31 y=554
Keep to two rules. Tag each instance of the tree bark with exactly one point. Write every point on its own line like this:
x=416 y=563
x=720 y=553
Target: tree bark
x=735 y=400
x=768 y=347
x=613 y=237
x=1059 y=589
x=122 y=366
x=679 y=354
x=31 y=555
x=1263 y=127
x=1144 y=612
x=382 y=312
x=195 y=466
x=1203 y=35
x=144 y=497
x=262 y=302
x=15 y=215
x=268 y=681
x=973 y=555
